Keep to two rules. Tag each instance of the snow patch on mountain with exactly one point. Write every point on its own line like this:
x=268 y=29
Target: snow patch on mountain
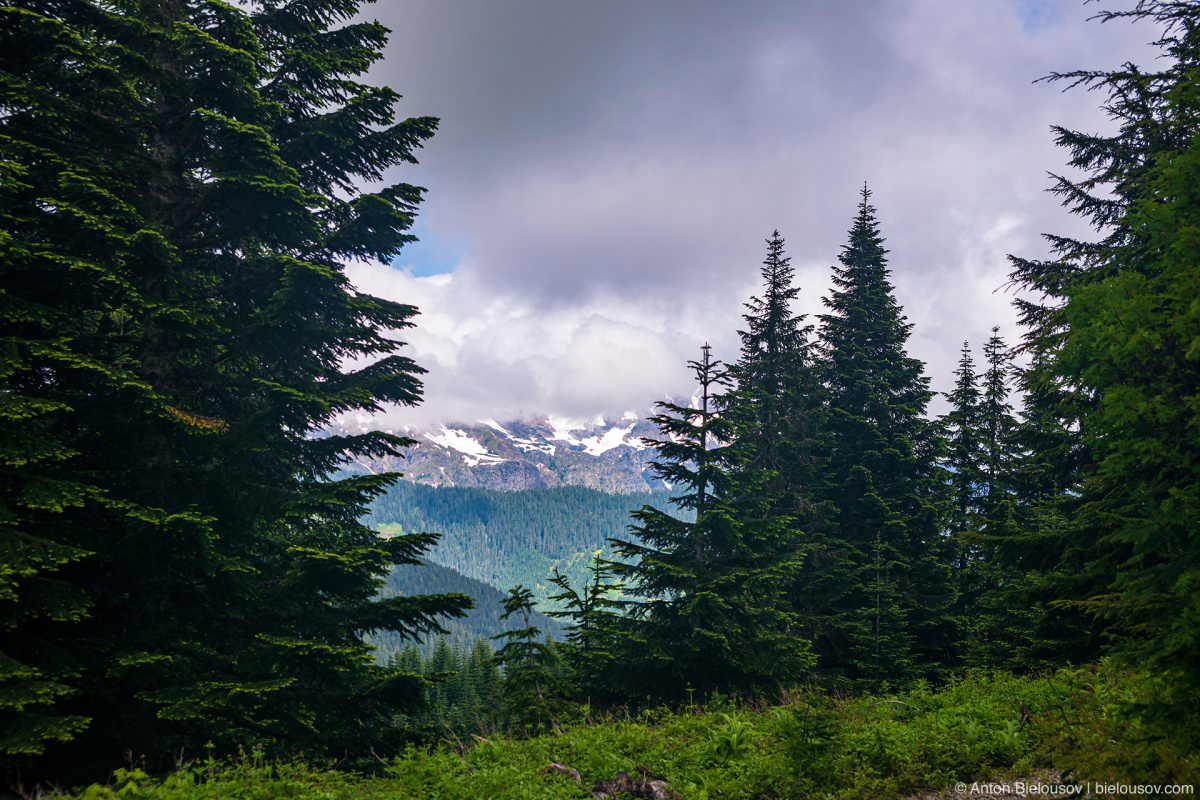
x=534 y=452
x=614 y=437
x=473 y=452
x=564 y=429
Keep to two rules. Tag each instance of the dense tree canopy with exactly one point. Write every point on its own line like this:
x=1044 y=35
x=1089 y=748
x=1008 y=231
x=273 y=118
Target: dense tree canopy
x=180 y=183
x=1118 y=337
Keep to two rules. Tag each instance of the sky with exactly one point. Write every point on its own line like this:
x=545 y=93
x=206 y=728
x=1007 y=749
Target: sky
x=606 y=173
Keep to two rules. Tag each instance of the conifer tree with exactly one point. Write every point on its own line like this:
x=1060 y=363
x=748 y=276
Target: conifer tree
x=181 y=184
x=1116 y=338
x=485 y=674
x=775 y=388
x=965 y=442
x=998 y=428
x=534 y=686
x=883 y=478
x=992 y=602
x=590 y=611
x=965 y=457
x=777 y=409
x=708 y=607
x=65 y=351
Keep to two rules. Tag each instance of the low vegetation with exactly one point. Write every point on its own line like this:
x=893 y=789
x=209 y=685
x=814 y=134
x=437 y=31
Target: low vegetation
x=1063 y=727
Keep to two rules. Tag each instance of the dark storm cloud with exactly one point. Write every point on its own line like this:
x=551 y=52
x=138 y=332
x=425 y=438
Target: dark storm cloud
x=634 y=141
x=622 y=161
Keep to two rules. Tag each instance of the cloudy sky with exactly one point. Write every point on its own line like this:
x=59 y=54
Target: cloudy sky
x=606 y=172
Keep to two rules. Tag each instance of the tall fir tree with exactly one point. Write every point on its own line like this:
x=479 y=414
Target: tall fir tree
x=883 y=478
x=1117 y=337
x=708 y=607
x=777 y=409
x=776 y=391
x=65 y=352
x=965 y=458
x=965 y=445
x=982 y=460
x=998 y=428
x=181 y=185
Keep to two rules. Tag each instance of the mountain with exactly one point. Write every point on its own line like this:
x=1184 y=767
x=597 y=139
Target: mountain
x=510 y=538
x=607 y=455
x=514 y=501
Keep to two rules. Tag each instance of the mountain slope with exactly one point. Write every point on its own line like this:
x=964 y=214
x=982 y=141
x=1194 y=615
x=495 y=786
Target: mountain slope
x=538 y=454
x=481 y=621
x=510 y=538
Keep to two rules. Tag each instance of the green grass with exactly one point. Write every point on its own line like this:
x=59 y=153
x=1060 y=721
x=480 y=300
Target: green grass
x=813 y=745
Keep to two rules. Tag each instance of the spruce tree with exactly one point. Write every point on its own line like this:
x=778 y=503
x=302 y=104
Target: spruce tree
x=182 y=184
x=777 y=410
x=535 y=686
x=1117 y=338
x=883 y=478
x=708 y=607
x=965 y=458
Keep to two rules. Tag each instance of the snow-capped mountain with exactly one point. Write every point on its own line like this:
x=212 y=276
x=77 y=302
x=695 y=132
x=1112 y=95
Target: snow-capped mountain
x=549 y=451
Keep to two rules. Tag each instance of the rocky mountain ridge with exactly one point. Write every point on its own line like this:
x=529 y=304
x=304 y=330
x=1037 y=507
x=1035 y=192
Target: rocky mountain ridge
x=608 y=455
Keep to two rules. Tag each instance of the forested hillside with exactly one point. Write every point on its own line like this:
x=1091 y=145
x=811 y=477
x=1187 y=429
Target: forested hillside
x=510 y=538
x=482 y=621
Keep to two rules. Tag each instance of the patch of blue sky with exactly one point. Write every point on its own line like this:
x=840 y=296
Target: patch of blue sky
x=430 y=254
x=1036 y=15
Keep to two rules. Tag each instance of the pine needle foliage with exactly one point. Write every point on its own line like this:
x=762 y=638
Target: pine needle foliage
x=180 y=186
x=707 y=602
x=1119 y=337
x=535 y=683
x=883 y=479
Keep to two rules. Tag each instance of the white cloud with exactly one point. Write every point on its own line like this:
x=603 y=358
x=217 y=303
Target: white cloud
x=612 y=170
x=497 y=356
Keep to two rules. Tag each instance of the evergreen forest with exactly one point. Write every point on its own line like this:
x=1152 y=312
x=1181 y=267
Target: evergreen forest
x=481 y=622
x=512 y=538
x=841 y=596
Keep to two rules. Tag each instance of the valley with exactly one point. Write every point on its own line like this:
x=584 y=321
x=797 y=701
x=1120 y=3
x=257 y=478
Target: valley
x=508 y=538
x=481 y=622
x=513 y=501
